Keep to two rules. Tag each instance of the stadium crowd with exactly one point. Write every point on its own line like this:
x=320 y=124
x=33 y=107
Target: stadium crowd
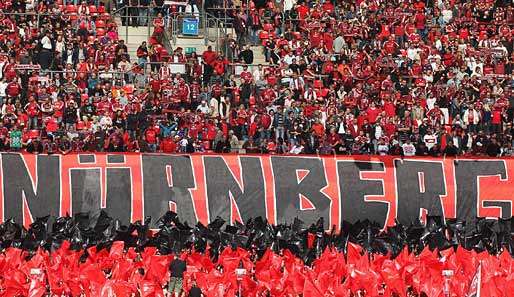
x=355 y=77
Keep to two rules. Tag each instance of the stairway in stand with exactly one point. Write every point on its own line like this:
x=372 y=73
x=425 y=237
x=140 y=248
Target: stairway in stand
x=133 y=36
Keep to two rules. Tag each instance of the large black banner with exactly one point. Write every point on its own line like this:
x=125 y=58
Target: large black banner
x=238 y=187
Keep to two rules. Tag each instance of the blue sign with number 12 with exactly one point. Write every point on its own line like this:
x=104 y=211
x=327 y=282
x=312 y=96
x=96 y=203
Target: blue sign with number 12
x=190 y=27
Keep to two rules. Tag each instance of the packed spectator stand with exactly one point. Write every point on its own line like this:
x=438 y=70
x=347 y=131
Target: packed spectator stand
x=424 y=78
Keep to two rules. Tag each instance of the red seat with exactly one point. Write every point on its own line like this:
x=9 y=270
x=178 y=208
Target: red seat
x=61 y=7
x=100 y=24
x=81 y=126
x=152 y=40
x=92 y=10
x=100 y=32
x=264 y=35
x=318 y=84
x=406 y=98
x=129 y=89
x=33 y=134
x=420 y=82
x=163 y=52
x=70 y=8
x=101 y=9
x=105 y=16
x=268 y=27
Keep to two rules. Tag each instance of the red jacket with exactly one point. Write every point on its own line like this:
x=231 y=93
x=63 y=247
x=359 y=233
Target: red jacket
x=209 y=57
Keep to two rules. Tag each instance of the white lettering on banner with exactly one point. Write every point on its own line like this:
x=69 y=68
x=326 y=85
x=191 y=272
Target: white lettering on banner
x=168 y=2
x=177 y=68
x=27 y=67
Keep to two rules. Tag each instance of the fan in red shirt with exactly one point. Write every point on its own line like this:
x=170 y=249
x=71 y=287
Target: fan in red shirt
x=32 y=109
x=216 y=90
x=219 y=65
x=318 y=129
x=13 y=89
x=184 y=94
x=373 y=112
x=390 y=46
x=155 y=84
x=245 y=75
x=195 y=88
x=209 y=56
x=151 y=138
x=104 y=107
x=167 y=145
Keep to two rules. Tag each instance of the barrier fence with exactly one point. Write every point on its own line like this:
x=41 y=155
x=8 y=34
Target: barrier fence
x=235 y=187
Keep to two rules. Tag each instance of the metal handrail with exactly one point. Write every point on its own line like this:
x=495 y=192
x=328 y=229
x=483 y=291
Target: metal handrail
x=118 y=10
x=115 y=74
x=206 y=21
x=219 y=25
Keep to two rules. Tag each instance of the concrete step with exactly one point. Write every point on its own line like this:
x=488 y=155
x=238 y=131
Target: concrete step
x=130 y=32
x=258 y=55
x=189 y=41
x=133 y=37
x=214 y=33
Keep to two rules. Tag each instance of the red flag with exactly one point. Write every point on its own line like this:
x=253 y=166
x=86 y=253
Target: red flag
x=490 y=289
x=55 y=278
x=506 y=263
x=431 y=285
x=39 y=259
x=151 y=289
x=466 y=260
x=123 y=288
x=131 y=254
x=157 y=269
x=74 y=286
x=118 y=288
x=310 y=289
x=290 y=260
x=122 y=270
x=297 y=278
x=342 y=290
x=230 y=259
x=353 y=253
x=392 y=277
x=14 y=257
x=37 y=288
x=249 y=286
x=310 y=240
x=148 y=252
x=459 y=284
x=326 y=261
x=16 y=281
x=64 y=249
x=200 y=261
x=326 y=282
x=474 y=287
x=92 y=278
x=117 y=250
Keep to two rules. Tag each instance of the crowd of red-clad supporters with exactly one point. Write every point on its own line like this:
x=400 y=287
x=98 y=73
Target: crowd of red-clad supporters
x=343 y=77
